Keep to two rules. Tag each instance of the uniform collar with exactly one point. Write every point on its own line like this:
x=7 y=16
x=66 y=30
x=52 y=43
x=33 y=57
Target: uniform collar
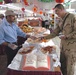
x=65 y=16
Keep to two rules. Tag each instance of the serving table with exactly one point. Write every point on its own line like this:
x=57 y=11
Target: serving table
x=14 y=67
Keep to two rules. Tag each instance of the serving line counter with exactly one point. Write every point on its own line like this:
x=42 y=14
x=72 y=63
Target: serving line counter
x=14 y=67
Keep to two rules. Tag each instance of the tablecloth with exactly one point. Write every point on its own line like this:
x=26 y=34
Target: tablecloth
x=15 y=72
x=13 y=68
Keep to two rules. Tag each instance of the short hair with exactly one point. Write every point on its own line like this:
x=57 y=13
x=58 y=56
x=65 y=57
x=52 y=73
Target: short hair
x=60 y=6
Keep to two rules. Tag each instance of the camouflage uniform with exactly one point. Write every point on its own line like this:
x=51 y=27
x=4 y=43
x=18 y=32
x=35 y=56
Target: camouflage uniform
x=68 y=46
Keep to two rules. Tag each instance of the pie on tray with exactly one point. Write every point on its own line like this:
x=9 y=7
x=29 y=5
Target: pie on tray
x=26 y=50
x=47 y=49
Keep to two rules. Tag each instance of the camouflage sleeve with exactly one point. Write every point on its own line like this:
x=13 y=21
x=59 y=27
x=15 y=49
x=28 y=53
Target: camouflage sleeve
x=72 y=35
x=54 y=33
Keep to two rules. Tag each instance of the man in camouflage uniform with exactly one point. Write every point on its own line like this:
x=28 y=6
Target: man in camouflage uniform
x=67 y=26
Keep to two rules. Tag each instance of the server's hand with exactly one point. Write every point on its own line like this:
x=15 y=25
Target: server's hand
x=63 y=37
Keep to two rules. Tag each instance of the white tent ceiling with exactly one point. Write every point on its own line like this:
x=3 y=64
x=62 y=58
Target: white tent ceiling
x=45 y=6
